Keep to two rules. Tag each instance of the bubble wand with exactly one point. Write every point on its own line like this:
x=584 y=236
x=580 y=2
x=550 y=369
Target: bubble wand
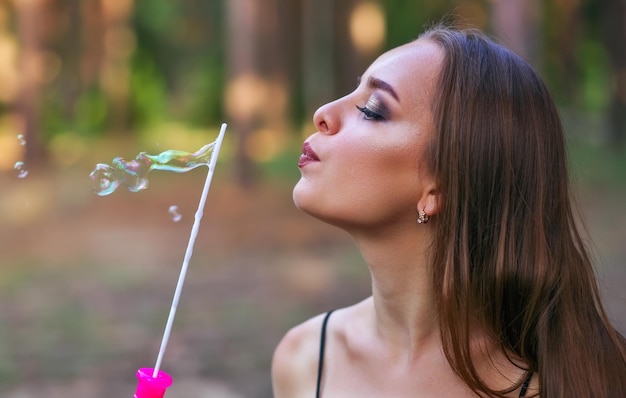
x=105 y=179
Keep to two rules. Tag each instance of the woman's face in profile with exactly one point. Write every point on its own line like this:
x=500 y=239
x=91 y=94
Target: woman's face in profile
x=365 y=166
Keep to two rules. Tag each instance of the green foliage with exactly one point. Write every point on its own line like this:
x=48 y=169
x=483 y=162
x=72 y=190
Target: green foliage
x=147 y=91
x=204 y=87
x=407 y=18
x=91 y=111
x=594 y=167
x=86 y=116
x=595 y=84
x=154 y=16
x=179 y=61
x=574 y=55
x=53 y=118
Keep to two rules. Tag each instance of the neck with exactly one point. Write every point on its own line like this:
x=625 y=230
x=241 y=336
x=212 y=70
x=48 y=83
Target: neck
x=405 y=313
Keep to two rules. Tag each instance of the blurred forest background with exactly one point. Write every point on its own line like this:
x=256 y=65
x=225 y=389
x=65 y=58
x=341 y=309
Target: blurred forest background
x=86 y=281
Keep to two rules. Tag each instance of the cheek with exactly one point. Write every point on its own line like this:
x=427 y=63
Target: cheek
x=386 y=163
x=379 y=175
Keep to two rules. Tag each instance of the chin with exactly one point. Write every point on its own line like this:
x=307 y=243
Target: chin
x=303 y=195
x=299 y=197
x=305 y=202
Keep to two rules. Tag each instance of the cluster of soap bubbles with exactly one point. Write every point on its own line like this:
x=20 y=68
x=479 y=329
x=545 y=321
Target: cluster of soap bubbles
x=176 y=216
x=105 y=179
x=19 y=166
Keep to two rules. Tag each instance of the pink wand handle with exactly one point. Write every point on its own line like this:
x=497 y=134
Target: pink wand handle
x=152 y=387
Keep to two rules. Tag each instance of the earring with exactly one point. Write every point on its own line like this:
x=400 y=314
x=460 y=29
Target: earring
x=422 y=218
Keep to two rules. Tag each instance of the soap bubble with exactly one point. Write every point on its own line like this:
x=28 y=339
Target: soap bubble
x=102 y=180
x=21 y=139
x=176 y=216
x=20 y=169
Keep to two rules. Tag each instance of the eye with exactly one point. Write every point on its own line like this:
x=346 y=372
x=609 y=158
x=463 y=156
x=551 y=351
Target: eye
x=370 y=114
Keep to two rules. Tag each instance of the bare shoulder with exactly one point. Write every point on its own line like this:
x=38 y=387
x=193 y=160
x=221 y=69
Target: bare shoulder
x=295 y=360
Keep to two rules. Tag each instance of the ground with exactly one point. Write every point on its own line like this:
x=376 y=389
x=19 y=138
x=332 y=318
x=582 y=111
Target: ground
x=86 y=282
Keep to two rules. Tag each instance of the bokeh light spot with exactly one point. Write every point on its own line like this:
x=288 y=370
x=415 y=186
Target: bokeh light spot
x=367 y=27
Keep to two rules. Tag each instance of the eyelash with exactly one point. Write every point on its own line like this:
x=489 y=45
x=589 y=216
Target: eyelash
x=369 y=114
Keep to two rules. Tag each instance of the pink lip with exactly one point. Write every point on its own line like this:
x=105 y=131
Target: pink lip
x=308 y=155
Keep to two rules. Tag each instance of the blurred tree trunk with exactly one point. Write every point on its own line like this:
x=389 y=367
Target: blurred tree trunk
x=517 y=24
x=277 y=44
x=565 y=24
x=92 y=28
x=243 y=81
x=317 y=55
x=360 y=34
x=118 y=45
x=350 y=64
x=66 y=42
x=614 y=22
x=472 y=13
x=30 y=17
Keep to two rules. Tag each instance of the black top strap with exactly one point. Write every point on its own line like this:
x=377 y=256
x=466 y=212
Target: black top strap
x=320 y=364
x=524 y=388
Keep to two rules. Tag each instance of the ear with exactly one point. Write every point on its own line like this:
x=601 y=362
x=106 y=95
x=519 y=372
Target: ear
x=430 y=201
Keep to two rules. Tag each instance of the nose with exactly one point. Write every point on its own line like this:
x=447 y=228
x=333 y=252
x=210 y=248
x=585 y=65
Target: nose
x=326 y=118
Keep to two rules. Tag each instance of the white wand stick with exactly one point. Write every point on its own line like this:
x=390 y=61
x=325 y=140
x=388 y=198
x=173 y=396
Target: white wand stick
x=189 y=251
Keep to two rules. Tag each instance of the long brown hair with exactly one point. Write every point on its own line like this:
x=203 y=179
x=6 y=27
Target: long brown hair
x=507 y=252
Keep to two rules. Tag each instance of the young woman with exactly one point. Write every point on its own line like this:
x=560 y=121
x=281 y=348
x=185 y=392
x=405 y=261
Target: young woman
x=447 y=166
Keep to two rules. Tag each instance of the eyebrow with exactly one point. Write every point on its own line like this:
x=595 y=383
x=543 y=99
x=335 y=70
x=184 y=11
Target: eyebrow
x=383 y=85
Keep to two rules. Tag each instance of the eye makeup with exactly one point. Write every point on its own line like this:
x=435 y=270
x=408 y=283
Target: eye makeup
x=374 y=109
